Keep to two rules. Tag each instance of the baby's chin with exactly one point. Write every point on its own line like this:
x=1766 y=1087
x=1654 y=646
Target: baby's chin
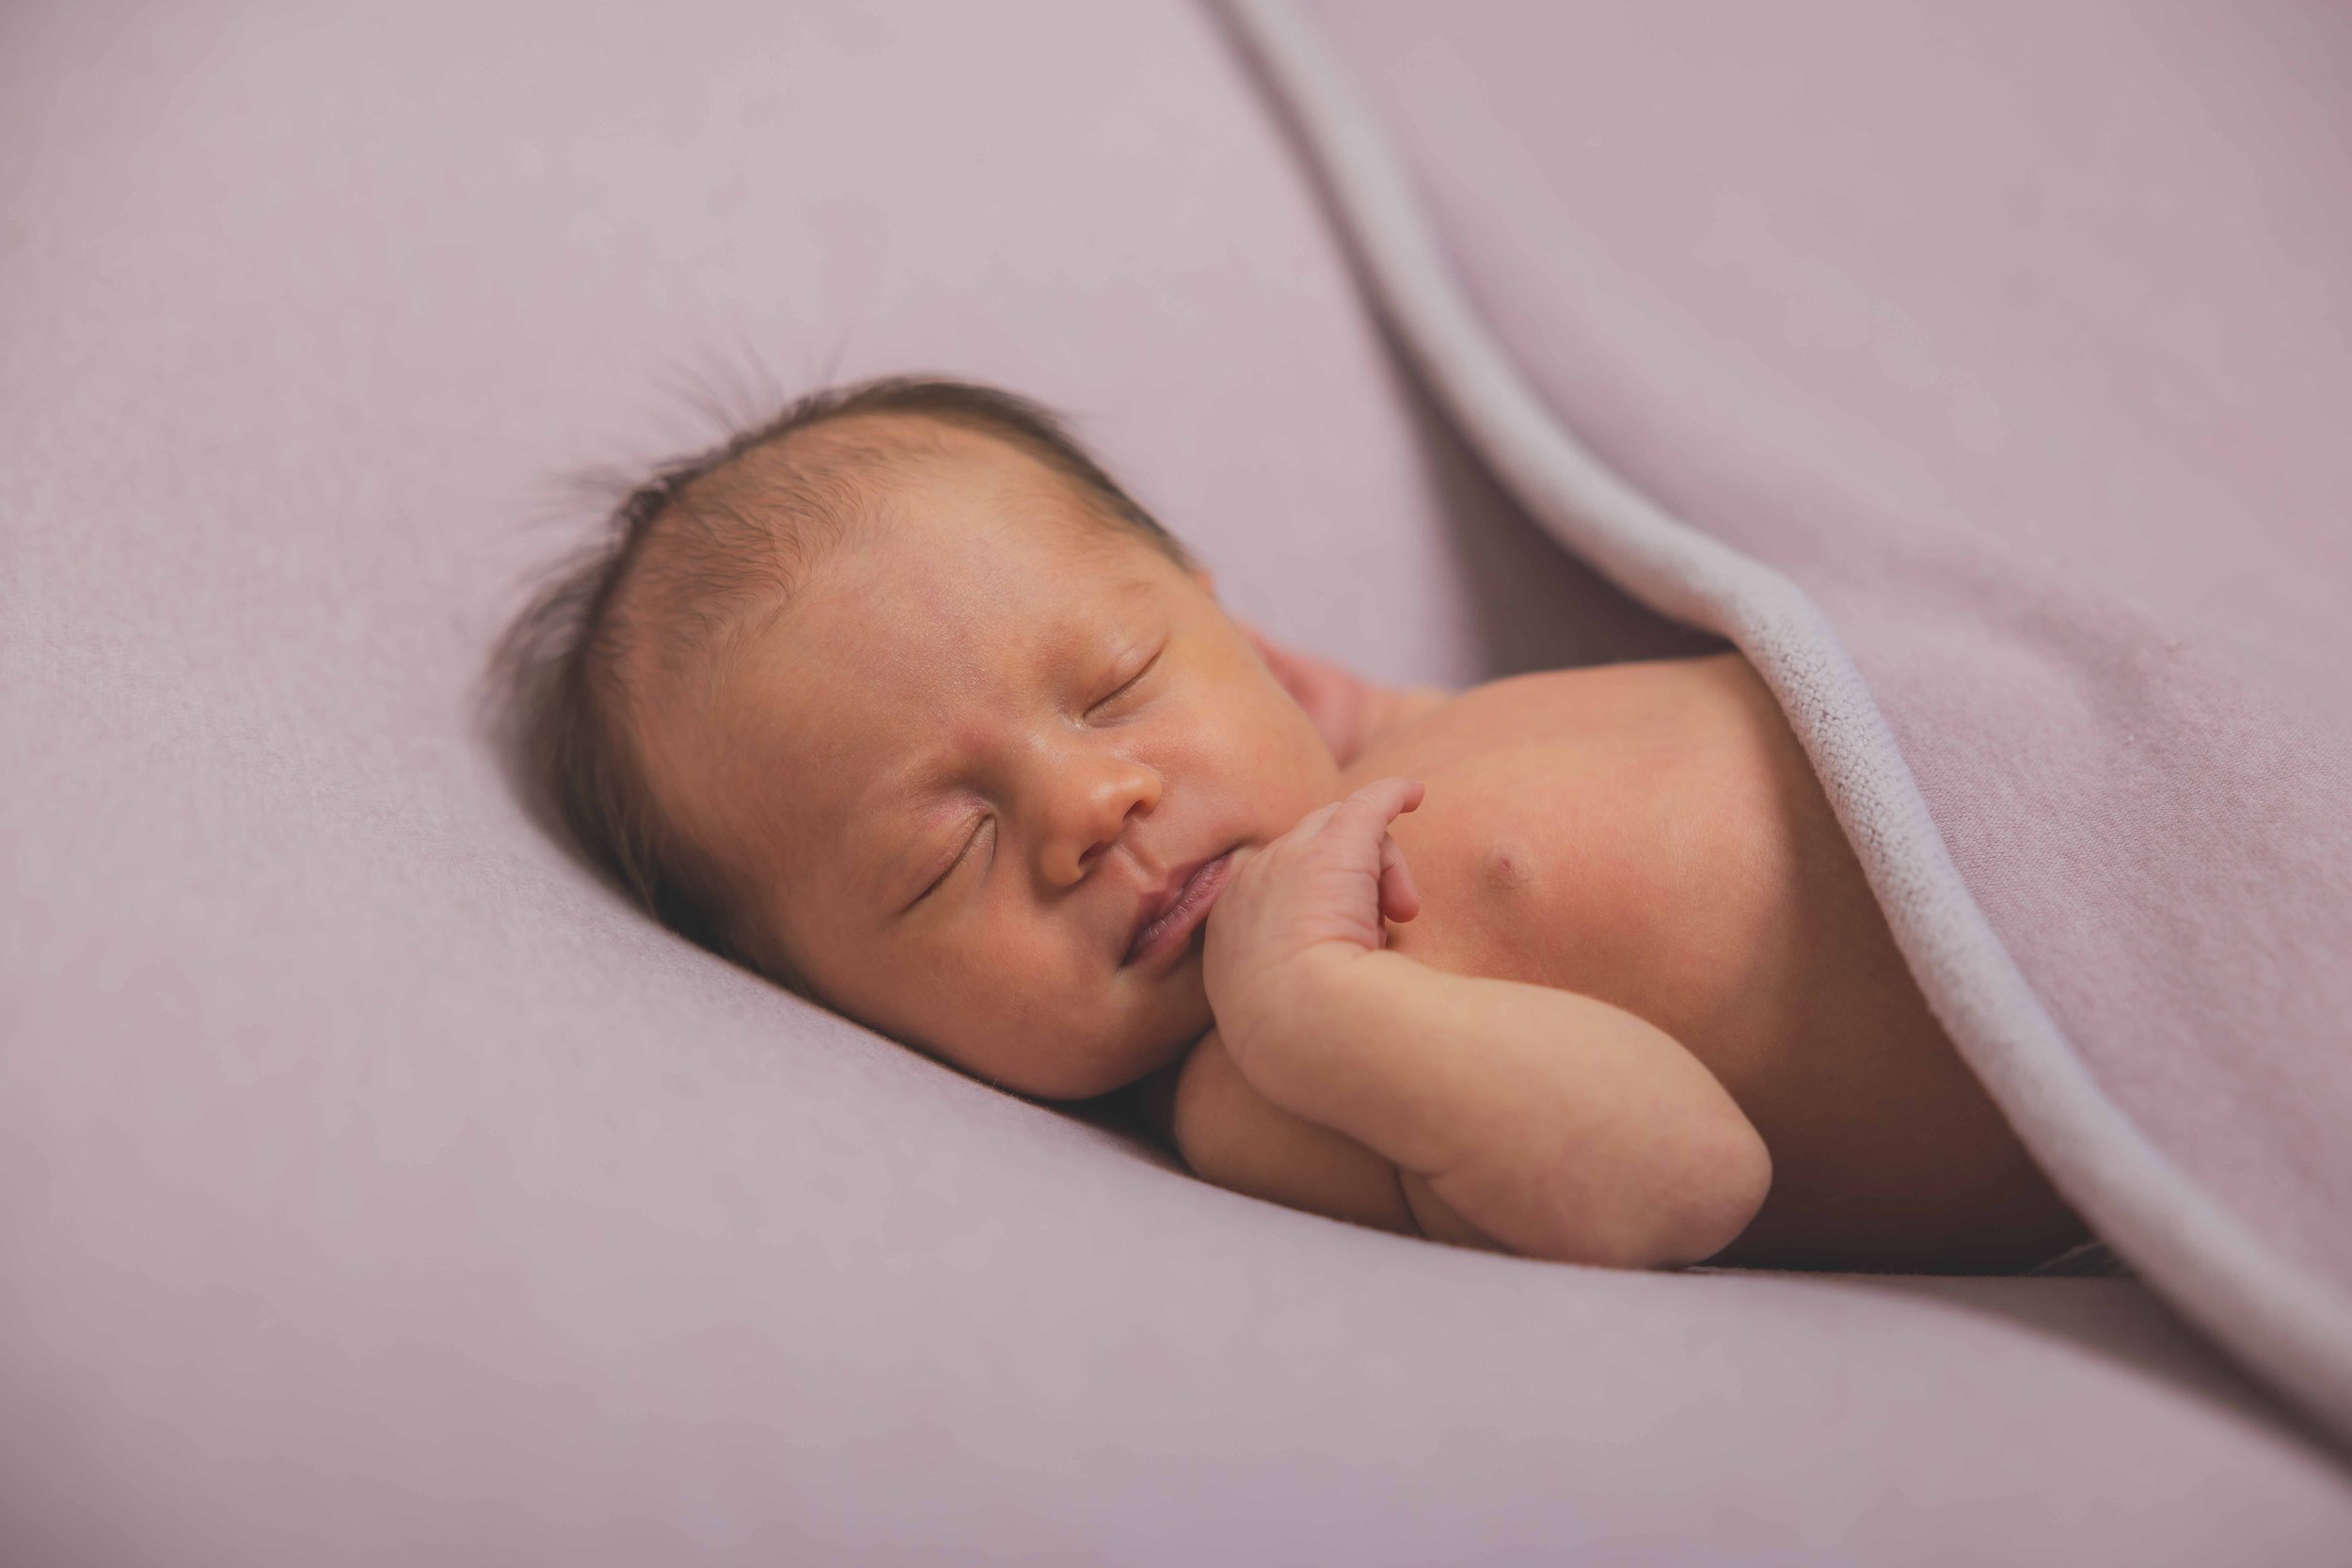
x=1152 y=1038
x=1184 y=996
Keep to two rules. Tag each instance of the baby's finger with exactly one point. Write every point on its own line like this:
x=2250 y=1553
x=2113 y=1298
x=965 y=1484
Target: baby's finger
x=1370 y=809
x=1400 y=900
x=1307 y=828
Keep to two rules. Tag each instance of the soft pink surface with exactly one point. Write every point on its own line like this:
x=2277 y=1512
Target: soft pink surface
x=374 y=1188
x=2014 y=334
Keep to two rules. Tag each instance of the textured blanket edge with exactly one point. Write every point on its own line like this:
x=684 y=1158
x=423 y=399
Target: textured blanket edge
x=2282 y=1322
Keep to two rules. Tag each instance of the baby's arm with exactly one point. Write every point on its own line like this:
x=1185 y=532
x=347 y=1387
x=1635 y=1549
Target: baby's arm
x=1233 y=1135
x=1557 y=1125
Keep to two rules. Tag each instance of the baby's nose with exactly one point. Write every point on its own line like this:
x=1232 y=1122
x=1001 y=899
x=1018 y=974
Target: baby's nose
x=1092 y=813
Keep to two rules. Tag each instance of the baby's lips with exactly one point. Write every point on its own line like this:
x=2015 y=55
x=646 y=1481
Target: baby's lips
x=1187 y=912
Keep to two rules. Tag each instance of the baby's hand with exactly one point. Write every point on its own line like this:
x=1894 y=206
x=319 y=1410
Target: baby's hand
x=1314 y=896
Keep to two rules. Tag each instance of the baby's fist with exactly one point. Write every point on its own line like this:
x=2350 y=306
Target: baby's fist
x=1317 y=894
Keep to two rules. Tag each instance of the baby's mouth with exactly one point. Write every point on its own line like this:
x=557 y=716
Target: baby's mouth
x=1168 y=918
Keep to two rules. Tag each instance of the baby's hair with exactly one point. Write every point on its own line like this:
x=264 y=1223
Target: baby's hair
x=560 y=682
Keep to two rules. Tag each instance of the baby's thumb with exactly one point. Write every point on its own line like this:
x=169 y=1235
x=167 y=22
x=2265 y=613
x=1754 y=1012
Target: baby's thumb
x=1400 y=900
x=1370 y=809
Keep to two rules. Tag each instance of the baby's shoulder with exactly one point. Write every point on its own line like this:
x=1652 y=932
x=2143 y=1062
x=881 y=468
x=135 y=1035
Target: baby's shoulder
x=1623 y=710
x=1602 y=758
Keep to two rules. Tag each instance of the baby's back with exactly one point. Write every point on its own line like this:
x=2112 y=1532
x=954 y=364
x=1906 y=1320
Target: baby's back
x=1651 y=835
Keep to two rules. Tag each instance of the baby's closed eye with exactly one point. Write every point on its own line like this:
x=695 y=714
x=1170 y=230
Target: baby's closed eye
x=1127 y=685
x=963 y=852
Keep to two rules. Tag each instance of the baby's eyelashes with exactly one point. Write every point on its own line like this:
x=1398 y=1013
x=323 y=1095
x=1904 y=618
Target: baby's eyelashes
x=963 y=852
x=1125 y=688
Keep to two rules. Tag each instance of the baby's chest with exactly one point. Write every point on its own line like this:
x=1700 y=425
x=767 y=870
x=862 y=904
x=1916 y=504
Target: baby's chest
x=1505 y=850
x=1648 y=880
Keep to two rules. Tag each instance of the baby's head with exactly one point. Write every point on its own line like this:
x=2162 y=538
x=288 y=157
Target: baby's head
x=900 y=700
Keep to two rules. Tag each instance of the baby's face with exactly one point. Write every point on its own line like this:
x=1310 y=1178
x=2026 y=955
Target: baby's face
x=986 y=738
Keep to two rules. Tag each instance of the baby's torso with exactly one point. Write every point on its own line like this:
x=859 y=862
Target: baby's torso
x=1651 y=835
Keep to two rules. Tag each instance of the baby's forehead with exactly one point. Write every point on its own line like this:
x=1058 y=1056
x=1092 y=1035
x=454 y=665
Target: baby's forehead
x=899 y=648
x=854 y=581
x=961 y=615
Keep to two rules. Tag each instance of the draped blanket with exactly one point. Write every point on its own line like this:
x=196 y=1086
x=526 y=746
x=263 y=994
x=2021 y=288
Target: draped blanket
x=1980 y=372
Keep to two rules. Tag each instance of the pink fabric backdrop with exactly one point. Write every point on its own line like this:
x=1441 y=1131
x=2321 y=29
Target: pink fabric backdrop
x=375 y=1189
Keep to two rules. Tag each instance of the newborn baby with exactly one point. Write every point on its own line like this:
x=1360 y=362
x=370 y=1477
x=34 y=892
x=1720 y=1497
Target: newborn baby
x=902 y=701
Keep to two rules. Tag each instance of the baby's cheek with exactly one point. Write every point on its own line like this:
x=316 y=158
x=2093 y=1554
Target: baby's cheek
x=1291 y=767
x=1014 y=1011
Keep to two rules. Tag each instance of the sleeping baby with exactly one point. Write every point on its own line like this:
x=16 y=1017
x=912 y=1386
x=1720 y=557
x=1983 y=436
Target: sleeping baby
x=900 y=700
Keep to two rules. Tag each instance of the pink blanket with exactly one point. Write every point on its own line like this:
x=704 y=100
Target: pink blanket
x=1981 y=372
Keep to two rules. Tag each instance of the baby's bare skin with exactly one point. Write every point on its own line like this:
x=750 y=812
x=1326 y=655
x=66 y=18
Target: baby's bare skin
x=1004 y=781
x=1651 y=835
